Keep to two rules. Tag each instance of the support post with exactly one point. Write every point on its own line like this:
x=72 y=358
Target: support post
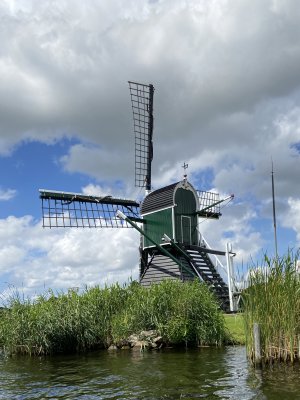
x=257 y=344
x=229 y=276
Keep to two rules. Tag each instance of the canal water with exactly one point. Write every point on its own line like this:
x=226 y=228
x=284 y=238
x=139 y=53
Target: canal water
x=205 y=373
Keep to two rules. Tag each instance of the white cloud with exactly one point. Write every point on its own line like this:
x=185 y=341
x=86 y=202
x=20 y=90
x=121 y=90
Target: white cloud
x=70 y=66
x=291 y=218
x=235 y=226
x=7 y=194
x=10 y=256
x=118 y=191
x=37 y=259
x=96 y=162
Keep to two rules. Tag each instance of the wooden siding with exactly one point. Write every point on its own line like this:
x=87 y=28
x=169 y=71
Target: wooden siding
x=156 y=224
x=161 y=268
x=159 y=199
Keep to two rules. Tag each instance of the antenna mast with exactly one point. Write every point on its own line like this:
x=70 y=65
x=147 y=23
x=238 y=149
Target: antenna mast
x=274 y=213
x=142 y=108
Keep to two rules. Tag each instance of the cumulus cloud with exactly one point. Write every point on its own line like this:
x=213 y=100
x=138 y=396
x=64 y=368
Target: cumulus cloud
x=97 y=162
x=235 y=227
x=291 y=219
x=7 y=194
x=70 y=66
x=38 y=259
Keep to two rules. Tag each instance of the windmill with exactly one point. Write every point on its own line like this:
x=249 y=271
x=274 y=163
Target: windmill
x=171 y=245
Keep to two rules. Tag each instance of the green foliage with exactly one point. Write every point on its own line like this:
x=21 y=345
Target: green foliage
x=234 y=324
x=180 y=312
x=273 y=301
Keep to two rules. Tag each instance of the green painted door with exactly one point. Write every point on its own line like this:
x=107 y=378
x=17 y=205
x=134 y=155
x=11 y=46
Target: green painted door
x=186 y=229
x=185 y=217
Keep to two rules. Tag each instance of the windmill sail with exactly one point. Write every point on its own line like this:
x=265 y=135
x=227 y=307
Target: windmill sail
x=142 y=108
x=209 y=203
x=75 y=210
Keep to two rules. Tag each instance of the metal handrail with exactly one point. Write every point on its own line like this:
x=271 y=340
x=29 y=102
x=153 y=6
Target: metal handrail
x=203 y=242
x=234 y=294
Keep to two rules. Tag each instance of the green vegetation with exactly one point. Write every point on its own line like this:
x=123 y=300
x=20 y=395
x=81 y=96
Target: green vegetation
x=234 y=324
x=273 y=301
x=182 y=313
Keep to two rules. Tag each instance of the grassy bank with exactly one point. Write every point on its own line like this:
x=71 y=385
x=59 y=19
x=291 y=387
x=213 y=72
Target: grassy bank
x=273 y=301
x=235 y=326
x=182 y=314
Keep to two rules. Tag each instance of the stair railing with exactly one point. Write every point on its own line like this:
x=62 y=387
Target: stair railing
x=167 y=239
x=216 y=261
x=227 y=271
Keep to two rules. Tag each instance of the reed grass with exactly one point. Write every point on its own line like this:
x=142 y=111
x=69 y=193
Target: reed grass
x=183 y=313
x=273 y=301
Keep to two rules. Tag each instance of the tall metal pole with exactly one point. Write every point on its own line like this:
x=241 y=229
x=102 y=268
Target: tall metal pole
x=274 y=213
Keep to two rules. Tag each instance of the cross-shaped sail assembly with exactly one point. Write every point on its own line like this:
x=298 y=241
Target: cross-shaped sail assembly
x=63 y=209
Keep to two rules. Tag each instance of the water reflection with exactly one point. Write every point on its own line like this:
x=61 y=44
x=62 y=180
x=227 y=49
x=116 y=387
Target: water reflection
x=194 y=374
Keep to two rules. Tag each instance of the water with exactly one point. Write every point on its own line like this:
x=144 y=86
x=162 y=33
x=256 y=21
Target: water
x=206 y=373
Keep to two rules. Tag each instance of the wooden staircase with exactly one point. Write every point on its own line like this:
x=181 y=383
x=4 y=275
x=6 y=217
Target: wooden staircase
x=195 y=262
x=201 y=262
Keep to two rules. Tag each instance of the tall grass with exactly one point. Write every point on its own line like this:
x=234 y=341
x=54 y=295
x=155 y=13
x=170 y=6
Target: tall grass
x=182 y=313
x=60 y=323
x=273 y=301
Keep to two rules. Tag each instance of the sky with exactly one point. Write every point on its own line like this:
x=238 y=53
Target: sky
x=227 y=102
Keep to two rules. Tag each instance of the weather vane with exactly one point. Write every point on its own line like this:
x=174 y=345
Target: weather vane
x=185 y=167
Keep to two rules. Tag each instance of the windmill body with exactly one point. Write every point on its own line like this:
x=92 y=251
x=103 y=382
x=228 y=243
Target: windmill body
x=171 y=218
x=172 y=211
x=171 y=246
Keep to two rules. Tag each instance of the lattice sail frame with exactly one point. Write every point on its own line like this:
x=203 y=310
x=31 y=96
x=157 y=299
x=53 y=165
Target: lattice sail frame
x=142 y=109
x=74 y=210
x=207 y=203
